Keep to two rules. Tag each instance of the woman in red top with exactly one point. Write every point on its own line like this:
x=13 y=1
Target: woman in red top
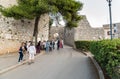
x=61 y=45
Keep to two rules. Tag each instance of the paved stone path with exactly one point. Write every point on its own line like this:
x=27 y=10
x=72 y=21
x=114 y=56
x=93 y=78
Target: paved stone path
x=63 y=64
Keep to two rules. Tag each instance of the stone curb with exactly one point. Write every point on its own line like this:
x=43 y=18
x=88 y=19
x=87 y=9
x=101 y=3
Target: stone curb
x=17 y=65
x=98 y=68
x=100 y=72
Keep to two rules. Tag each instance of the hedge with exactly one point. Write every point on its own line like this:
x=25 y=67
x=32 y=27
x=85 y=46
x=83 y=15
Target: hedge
x=107 y=54
x=82 y=45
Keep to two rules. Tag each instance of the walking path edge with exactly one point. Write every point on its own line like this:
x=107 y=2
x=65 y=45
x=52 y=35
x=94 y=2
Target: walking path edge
x=98 y=68
x=17 y=65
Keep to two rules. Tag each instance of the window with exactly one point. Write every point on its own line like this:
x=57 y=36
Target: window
x=115 y=31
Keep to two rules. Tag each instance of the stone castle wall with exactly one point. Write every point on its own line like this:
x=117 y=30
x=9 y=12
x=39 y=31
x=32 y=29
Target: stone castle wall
x=59 y=30
x=13 y=32
x=83 y=32
x=43 y=28
x=69 y=36
x=7 y=3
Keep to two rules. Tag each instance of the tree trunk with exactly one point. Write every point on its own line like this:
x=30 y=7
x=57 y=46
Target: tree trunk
x=49 y=31
x=35 y=33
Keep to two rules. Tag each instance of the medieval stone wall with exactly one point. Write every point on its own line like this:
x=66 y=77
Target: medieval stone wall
x=43 y=28
x=83 y=32
x=59 y=30
x=69 y=36
x=7 y=3
x=13 y=32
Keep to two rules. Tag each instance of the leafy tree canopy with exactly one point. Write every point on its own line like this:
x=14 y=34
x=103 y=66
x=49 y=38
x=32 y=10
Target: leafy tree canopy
x=33 y=8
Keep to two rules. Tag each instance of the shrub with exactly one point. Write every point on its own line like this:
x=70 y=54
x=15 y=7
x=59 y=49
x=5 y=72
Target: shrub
x=82 y=45
x=107 y=53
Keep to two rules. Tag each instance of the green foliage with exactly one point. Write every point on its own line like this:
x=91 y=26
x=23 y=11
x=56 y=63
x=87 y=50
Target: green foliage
x=26 y=9
x=107 y=53
x=68 y=9
x=50 y=22
x=71 y=24
x=34 y=8
x=83 y=45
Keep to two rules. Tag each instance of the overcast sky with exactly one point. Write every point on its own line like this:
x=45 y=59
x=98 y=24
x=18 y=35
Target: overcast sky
x=97 y=11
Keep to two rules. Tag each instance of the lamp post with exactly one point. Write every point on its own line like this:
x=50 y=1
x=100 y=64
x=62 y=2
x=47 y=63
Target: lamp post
x=109 y=4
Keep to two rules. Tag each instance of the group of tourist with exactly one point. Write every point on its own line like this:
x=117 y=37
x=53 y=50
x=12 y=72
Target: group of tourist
x=30 y=49
x=25 y=48
x=50 y=45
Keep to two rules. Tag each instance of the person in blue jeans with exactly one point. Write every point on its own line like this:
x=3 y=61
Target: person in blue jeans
x=21 y=49
x=47 y=46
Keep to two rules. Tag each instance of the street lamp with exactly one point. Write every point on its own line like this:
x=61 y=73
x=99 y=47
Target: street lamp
x=109 y=4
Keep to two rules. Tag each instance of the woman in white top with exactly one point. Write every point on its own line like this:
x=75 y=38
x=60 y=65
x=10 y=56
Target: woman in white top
x=32 y=52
